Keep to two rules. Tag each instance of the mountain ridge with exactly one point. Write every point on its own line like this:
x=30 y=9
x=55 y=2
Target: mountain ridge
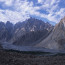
x=10 y=32
x=31 y=26
x=56 y=39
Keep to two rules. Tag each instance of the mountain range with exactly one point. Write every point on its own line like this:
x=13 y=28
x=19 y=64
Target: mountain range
x=35 y=33
x=24 y=33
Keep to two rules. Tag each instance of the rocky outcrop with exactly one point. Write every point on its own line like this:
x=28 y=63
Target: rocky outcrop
x=26 y=32
x=6 y=31
x=30 y=38
x=56 y=40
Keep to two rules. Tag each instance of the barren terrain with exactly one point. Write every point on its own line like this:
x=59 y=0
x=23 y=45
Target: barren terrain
x=20 y=58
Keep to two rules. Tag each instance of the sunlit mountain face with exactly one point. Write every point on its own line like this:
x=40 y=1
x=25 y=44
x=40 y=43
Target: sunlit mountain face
x=20 y=10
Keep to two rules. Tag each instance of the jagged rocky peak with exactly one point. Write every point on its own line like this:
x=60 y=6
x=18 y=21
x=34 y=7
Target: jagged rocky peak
x=60 y=29
x=60 y=26
x=30 y=31
x=63 y=21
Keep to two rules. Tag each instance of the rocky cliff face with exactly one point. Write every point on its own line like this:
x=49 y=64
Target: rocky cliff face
x=6 y=31
x=56 y=40
x=30 y=31
x=30 y=38
x=30 y=25
x=24 y=33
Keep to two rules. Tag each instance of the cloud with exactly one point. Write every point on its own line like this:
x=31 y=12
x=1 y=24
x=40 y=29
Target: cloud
x=60 y=13
x=7 y=2
x=51 y=7
x=20 y=10
x=14 y=17
x=18 y=14
x=40 y=1
x=55 y=13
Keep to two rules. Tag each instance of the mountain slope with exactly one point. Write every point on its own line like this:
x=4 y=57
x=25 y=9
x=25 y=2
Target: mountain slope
x=29 y=25
x=6 y=31
x=30 y=31
x=30 y=38
x=26 y=33
x=56 y=40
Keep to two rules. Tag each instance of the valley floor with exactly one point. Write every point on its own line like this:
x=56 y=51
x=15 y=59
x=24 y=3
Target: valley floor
x=18 y=58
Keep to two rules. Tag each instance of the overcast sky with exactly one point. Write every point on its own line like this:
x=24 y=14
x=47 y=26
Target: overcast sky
x=20 y=10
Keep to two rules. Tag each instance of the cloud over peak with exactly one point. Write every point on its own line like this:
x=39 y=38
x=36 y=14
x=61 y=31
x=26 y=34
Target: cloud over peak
x=20 y=10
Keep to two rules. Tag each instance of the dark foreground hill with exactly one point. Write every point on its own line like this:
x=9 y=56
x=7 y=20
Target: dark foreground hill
x=19 y=58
